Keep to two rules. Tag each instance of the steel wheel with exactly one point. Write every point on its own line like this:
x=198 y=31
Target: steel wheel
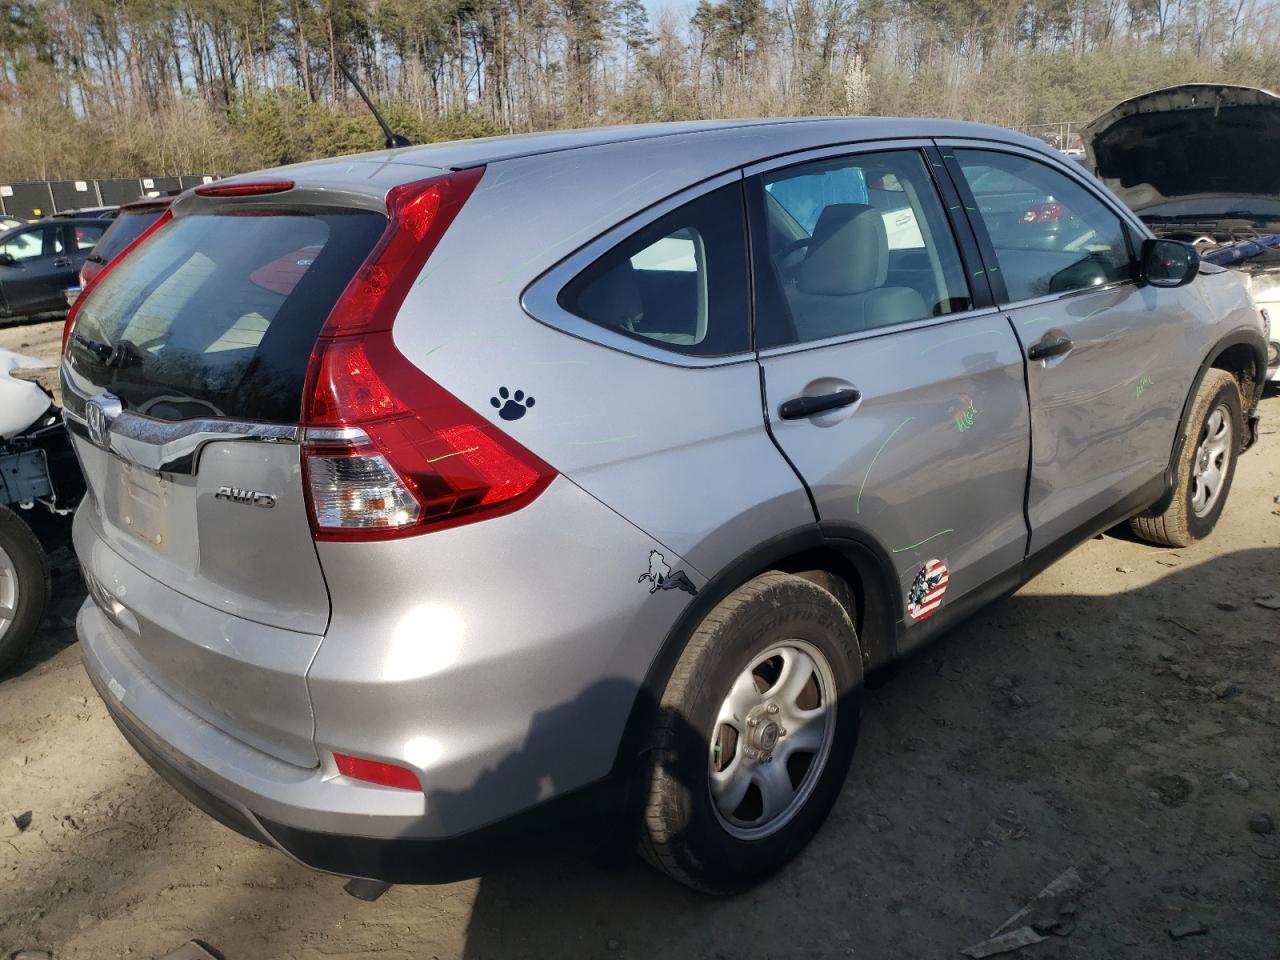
x=771 y=739
x=8 y=592
x=1209 y=468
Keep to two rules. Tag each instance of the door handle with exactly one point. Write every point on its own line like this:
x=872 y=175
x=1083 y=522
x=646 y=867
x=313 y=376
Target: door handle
x=1049 y=348
x=62 y=262
x=801 y=407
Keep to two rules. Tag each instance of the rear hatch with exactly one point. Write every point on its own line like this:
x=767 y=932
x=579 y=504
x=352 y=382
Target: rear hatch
x=183 y=380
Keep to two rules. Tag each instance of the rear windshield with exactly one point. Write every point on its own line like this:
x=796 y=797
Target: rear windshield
x=216 y=314
x=126 y=229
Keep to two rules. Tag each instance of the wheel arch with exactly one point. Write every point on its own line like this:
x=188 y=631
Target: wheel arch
x=1241 y=353
x=814 y=552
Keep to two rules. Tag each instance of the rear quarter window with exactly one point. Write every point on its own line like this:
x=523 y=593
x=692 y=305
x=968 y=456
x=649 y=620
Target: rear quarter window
x=216 y=315
x=679 y=283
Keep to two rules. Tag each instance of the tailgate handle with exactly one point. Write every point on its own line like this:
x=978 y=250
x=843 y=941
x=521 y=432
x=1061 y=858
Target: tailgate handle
x=801 y=407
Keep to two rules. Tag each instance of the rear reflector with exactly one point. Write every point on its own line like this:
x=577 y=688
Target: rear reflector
x=254 y=188
x=95 y=279
x=389 y=452
x=375 y=771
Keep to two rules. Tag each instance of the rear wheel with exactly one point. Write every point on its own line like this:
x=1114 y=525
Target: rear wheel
x=1205 y=468
x=756 y=732
x=24 y=586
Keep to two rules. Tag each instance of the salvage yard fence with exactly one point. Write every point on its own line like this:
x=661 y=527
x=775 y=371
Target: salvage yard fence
x=34 y=199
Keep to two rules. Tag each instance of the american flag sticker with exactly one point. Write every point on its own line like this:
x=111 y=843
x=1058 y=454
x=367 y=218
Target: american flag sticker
x=927 y=589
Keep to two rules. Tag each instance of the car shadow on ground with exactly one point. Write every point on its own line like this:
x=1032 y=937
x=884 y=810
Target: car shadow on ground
x=1050 y=730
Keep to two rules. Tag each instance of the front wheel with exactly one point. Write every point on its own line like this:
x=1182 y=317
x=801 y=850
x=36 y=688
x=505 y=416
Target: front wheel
x=756 y=732
x=24 y=586
x=1205 y=468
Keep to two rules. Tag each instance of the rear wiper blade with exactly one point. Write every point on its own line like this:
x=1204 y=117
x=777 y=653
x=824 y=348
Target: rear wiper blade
x=121 y=355
x=100 y=350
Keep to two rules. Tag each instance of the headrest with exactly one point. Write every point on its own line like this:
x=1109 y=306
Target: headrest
x=849 y=252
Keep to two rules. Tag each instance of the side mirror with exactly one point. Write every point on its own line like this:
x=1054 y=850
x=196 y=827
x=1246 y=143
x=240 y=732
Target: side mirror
x=1169 y=263
x=6 y=260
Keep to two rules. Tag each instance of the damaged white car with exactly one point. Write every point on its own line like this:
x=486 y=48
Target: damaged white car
x=1198 y=162
x=40 y=484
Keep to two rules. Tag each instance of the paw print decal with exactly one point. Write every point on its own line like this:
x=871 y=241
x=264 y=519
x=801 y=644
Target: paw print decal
x=511 y=406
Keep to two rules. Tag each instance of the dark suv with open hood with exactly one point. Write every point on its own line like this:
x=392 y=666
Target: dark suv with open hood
x=1198 y=162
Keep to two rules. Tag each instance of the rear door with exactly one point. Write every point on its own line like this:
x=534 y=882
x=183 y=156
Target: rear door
x=41 y=269
x=1106 y=356
x=183 y=382
x=890 y=382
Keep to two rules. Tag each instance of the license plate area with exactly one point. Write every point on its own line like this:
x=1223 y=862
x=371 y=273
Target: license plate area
x=143 y=506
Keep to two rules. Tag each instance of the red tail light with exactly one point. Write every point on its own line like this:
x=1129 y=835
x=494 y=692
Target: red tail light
x=89 y=281
x=374 y=771
x=1050 y=212
x=388 y=451
x=242 y=188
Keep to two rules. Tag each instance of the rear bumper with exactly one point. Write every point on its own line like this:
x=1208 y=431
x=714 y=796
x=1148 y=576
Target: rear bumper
x=214 y=776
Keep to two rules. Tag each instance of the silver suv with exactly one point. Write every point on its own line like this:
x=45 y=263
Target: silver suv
x=451 y=496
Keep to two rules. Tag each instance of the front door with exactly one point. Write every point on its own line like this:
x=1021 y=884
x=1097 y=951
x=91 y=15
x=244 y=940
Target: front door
x=900 y=402
x=1106 y=357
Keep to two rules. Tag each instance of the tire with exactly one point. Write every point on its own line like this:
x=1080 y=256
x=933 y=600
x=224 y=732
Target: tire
x=726 y=847
x=1184 y=520
x=24 y=586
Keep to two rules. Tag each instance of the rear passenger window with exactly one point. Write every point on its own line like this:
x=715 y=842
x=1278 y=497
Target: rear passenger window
x=858 y=243
x=680 y=283
x=1050 y=234
x=87 y=235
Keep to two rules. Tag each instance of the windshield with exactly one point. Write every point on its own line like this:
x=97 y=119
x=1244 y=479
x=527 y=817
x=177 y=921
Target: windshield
x=215 y=315
x=126 y=228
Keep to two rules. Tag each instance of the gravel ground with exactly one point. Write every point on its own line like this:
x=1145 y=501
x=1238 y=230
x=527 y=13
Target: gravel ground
x=1119 y=714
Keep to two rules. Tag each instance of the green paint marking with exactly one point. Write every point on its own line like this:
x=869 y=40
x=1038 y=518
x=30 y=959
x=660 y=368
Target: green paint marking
x=978 y=273
x=875 y=458
x=1142 y=386
x=956 y=207
x=924 y=541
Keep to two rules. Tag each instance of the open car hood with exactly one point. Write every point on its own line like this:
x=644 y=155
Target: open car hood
x=1198 y=142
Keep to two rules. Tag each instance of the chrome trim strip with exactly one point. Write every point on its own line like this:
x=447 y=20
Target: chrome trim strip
x=164 y=446
x=872 y=333
x=834 y=151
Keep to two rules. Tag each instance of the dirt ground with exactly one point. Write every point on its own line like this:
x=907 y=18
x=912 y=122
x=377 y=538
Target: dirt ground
x=1121 y=714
